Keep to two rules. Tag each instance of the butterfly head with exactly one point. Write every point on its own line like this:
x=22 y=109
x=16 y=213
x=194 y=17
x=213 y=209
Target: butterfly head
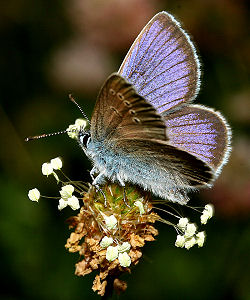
x=84 y=138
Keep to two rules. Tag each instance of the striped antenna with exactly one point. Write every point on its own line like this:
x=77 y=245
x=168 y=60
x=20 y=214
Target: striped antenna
x=36 y=137
x=79 y=107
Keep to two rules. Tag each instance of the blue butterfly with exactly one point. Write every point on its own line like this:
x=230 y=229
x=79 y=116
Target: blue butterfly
x=145 y=129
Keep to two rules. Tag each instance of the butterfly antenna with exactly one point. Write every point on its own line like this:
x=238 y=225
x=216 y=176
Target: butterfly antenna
x=36 y=137
x=79 y=107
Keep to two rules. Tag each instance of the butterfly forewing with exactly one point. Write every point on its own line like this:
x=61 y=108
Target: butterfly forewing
x=162 y=64
x=121 y=112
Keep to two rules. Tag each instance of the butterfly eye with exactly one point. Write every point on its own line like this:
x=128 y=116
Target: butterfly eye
x=84 y=139
x=120 y=96
x=112 y=92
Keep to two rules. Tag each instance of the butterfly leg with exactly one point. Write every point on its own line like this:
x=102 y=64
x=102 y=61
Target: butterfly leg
x=99 y=180
x=122 y=183
x=125 y=198
x=101 y=191
x=93 y=171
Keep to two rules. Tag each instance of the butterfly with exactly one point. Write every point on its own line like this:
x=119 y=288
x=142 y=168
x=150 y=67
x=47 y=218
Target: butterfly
x=144 y=128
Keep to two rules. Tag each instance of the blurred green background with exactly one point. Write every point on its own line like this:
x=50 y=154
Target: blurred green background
x=51 y=48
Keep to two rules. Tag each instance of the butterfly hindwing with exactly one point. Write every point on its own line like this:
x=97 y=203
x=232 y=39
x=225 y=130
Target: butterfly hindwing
x=202 y=132
x=161 y=168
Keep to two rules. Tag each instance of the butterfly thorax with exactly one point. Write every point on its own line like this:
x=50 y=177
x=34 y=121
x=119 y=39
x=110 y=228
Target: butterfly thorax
x=104 y=160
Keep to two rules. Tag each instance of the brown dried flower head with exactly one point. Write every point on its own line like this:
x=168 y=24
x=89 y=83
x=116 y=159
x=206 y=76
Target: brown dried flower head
x=113 y=225
x=110 y=231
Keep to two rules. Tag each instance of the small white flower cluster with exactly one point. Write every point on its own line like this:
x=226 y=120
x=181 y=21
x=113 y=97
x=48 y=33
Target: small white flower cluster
x=47 y=169
x=54 y=164
x=67 y=199
x=74 y=129
x=190 y=237
x=114 y=252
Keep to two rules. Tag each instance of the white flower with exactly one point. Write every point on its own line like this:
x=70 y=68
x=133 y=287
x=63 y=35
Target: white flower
x=180 y=241
x=73 y=202
x=66 y=191
x=81 y=123
x=124 y=247
x=190 y=243
x=62 y=204
x=124 y=259
x=47 y=169
x=73 y=130
x=207 y=213
x=56 y=163
x=210 y=209
x=182 y=224
x=204 y=219
x=106 y=241
x=110 y=221
x=190 y=230
x=139 y=204
x=200 y=238
x=34 y=195
x=112 y=253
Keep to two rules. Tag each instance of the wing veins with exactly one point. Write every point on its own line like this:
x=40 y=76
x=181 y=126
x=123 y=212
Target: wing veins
x=166 y=85
x=194 y=143
x=146 y=51
x=156 y=52
x=146 y=83
x=184 y=125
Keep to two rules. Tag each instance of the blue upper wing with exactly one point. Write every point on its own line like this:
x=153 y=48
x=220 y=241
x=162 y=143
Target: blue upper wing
x=162 y=64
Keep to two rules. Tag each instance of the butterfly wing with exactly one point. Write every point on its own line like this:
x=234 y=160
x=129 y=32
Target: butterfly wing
x=162 y=64
x=163 y=169
x=135 y=145
x=121 y=112
x=202 y=132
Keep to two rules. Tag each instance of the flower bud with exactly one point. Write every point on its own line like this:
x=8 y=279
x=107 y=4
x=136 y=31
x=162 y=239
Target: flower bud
x=112 y=253
x=47 y=169
x=34 y=195
x=124 y=259
x=66 y=191
x=106 y=241
x=73 y=202
x=110 y=221
x=182 y=224
x=180 y=241
x=56 y=163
